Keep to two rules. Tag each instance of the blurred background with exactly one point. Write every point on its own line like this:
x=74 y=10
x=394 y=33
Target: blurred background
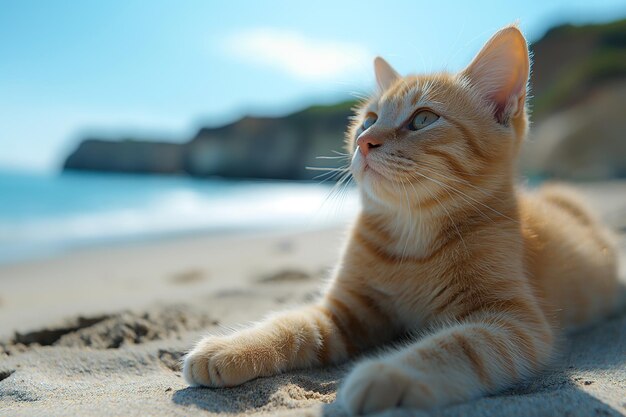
x=127 y=120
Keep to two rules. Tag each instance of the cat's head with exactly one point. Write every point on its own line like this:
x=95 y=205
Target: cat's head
x=428 y=135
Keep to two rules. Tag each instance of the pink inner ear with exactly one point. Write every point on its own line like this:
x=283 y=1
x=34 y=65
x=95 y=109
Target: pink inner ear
x=507 y=96
x=500 y=107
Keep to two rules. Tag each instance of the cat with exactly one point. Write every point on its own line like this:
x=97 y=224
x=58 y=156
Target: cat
x=481 y=277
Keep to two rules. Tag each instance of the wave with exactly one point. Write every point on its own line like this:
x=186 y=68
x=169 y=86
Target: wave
x=235 y=207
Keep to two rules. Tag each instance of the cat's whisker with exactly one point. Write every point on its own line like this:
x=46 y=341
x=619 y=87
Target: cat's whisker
x=445 y=187
x=341 y=191
x=476 y=208
x=330 y=175
x=324 y=169
x=359 y=96
x=453 y=189
x=336 y=191
x=469 y=174
x=456 y=47
x=406 y=239
x=330 y=157
x=464 y=182
x=443 y=206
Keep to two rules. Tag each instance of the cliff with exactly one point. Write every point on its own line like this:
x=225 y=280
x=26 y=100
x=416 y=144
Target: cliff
x=572 y=62
x=252 y=147
x=128 y=155
x=579 y=105
x=263 y=147
x=578 y=97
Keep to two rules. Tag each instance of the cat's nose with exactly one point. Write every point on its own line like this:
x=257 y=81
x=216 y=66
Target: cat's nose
x=366 y=143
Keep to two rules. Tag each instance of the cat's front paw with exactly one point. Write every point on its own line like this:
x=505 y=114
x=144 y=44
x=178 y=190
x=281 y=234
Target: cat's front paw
x=217 y=362
x=380 y=385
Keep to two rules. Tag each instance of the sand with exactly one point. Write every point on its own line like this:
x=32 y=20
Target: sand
x=100 y=331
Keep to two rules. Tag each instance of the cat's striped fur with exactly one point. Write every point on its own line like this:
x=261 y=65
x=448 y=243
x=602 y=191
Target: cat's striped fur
x=480 y=275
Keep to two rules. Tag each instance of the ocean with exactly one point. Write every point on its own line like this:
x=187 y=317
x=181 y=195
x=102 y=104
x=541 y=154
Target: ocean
x=48 y=214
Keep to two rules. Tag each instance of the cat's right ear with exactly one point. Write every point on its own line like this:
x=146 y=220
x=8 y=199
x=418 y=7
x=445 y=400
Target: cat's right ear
x=385 y=74
x=500 y=72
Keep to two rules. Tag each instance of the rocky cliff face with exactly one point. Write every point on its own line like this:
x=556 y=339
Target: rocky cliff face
x=279 y=148
x=253 y=147
x=572 y=62
x=587 y=141
x=127 y=155
x=578 y=107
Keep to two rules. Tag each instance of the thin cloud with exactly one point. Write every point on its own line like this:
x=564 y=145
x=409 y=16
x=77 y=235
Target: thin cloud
x=299 y=56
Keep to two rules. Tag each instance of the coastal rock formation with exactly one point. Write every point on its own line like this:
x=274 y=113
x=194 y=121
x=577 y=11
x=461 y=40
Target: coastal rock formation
x=253 y=147
x=585 y=142
x=131 y=156
x=269 y=148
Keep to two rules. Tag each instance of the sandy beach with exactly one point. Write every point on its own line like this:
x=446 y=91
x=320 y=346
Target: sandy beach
x=100 y=331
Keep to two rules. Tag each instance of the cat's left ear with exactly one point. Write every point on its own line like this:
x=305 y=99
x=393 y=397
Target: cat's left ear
x=385 y=74
x=500 y=72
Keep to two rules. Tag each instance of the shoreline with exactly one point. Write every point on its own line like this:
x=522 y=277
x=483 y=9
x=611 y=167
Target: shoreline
x=131 y=242
x=90 y=211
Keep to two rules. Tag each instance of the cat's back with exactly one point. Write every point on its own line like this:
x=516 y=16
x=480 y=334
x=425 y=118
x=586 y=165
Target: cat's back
x=570 y=256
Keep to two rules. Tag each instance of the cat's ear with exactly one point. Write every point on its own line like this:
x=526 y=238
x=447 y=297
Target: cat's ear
x=385 y=74
x=500 y=72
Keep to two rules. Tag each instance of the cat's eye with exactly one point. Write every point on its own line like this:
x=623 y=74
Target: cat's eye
x=370 y=119
x=422 y=119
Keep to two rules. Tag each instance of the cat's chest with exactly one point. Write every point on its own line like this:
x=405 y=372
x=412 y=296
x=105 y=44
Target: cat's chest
x=410 y=291
x=407 y=274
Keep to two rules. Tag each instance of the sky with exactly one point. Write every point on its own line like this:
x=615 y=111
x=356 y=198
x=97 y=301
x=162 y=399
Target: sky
x=161 y=69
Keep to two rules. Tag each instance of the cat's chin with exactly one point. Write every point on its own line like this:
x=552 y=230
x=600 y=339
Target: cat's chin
x=364 y=171
x=380 y=189
x=375 y=184
x=372 y=180
x=394 y=193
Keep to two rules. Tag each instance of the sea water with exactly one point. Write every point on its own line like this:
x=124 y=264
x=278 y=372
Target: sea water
x=46 y=214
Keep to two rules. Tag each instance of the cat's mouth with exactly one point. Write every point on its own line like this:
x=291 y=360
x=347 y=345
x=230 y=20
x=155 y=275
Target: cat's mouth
x=363 y=168
x=368 y=169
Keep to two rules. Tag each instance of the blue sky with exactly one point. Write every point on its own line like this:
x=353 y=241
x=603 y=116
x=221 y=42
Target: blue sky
x=163 y=68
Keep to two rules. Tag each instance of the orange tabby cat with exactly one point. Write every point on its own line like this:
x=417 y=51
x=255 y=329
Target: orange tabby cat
x=445 y=247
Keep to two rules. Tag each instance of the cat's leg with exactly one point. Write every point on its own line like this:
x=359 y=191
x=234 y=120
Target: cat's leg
x=480 y=356
x=328 y=332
